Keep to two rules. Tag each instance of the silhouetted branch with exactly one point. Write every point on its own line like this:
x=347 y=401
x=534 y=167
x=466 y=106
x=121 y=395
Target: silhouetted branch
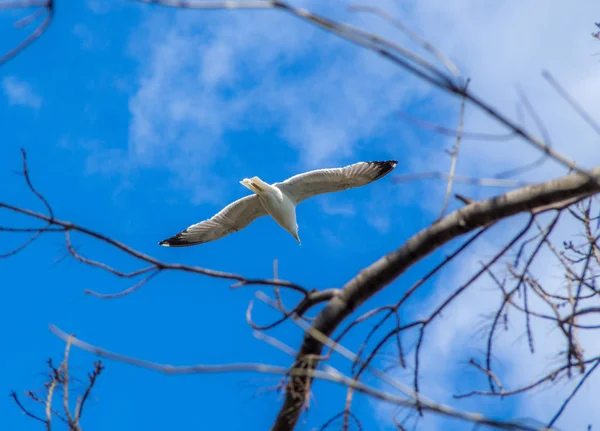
x=155 y=267
x=15 y=397
x=58 y=380
x=572 y=394
x=548 y=378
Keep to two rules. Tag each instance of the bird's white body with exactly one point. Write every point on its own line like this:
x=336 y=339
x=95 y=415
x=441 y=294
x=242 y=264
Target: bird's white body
x=279 y=200
x=275 y=202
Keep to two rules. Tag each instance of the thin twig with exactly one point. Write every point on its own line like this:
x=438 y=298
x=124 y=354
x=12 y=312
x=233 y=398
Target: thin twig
x=572 y=102
x=14 y=396
x=412 y=35
x=572 y=394
x=35 y=34
x=454 y=154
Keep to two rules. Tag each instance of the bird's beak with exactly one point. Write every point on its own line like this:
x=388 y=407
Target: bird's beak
x=297 y=239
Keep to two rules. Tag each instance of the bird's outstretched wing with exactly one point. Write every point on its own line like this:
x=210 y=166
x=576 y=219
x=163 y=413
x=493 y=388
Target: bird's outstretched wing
x=312 y=183
x=232 y=218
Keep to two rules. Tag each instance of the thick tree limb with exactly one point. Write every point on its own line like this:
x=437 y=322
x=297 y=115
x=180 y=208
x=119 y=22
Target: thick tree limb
x=554 y=194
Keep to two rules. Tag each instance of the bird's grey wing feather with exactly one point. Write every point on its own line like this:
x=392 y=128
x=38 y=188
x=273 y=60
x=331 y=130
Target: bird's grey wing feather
x=312 y=183
x=235 y=216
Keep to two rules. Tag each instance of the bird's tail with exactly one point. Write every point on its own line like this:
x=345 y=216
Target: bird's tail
x=255 y=184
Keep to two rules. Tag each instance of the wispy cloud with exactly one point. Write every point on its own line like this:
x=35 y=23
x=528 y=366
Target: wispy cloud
x=332 y=238
x=331 y=207
x=380 y=222
x=203 y=76
x=100 y=7
x=499 y=59
x=20 y=93
x=100 y=159
x=89 y=39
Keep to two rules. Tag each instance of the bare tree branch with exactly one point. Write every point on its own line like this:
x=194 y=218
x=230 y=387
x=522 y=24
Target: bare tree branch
x=454 y=155
x=47 y=7
x=58 y=379
x=388 y=268
x=576 y=106
x=330 y=375
x=412 y=35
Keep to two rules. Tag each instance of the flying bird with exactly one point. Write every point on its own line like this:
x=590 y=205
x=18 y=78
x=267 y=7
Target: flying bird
x=279 y=200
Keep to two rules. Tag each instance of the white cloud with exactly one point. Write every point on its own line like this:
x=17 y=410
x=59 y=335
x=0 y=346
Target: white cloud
x=100 y=7
x=20 y=93
x=100 y=159
x=331 y=237
x=105 y=161
x=205 y=75
x=508 y=44
x=89 y=39
x=380 y=223
x=331 y=207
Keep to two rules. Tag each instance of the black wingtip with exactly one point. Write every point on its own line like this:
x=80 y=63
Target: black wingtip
x=384 y=167
x=178 y=240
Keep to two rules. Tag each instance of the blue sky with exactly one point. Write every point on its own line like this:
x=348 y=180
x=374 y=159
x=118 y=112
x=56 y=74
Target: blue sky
x=140 y=121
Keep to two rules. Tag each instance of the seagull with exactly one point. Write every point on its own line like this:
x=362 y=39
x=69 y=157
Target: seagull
x=279 y=200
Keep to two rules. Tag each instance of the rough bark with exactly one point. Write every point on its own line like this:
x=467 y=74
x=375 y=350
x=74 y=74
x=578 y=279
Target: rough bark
x=553 y=194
